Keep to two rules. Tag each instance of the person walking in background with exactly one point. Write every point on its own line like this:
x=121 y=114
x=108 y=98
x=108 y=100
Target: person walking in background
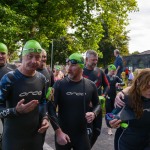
x=22 y=90
x=137 y=135
x=118 y=63
x=73 y=96
x=126 y=72
x=96 y=75
x=114 y=82
x=58 y=75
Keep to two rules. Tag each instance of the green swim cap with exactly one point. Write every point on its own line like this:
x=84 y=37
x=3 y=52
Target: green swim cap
x=111 y=67
x=57 y=67
x=3 y=48
x=77 y=58
x=31 y=46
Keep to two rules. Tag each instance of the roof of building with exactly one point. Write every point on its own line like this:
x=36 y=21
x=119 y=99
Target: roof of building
x=145 y=52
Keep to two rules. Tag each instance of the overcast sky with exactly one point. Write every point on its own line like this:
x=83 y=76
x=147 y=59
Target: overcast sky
x=140 y=28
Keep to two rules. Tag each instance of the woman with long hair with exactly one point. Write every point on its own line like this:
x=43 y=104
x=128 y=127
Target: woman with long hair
x=137 y=135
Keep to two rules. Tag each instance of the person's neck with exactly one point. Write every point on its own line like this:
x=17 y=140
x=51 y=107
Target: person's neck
x=42 y=66
x=26 y=72
x=76 y=79
x=110 y=74
x=2 y=65
x=89 y=67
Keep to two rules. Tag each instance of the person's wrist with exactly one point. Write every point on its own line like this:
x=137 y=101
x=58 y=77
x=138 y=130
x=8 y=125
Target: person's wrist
x=122 y=92
x=95 y=115
x=46 y=117
x=58 y=131
x=16 y=112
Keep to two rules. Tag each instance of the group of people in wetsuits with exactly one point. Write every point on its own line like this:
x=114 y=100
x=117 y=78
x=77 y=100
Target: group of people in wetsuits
x=72 y=106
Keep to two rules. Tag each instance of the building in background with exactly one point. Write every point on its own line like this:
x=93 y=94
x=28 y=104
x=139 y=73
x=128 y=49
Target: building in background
x=137 y=61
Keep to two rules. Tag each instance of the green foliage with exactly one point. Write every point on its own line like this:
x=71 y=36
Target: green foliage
x=136 y=52
x=99 y=25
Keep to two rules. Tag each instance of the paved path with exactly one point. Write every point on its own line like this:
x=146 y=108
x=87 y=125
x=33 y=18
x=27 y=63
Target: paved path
x=104 y=142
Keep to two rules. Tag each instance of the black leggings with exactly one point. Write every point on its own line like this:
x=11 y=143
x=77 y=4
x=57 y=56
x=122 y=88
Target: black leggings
x=80 y=142
x=97 y=125
x=34 y=143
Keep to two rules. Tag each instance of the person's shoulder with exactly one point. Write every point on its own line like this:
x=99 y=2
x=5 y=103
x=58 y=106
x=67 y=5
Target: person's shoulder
x=11 y=66
x=99 y=69
x=9 y=77
x=40 y=75
x=61 y=82
x=88 y=82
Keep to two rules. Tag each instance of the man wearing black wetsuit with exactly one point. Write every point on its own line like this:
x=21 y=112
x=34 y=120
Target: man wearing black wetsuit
x=4 y=66
x=99 y=78
x=45 y=71
x=73 y=95
x=42 y=68
x=22 y=90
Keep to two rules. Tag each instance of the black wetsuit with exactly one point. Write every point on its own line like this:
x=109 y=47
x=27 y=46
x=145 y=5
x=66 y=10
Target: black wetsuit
x=3 y=70
x=49 y=83
x=137 y=135
x=112 y=92
x=20 y=130
x=73 y=99
x=6 y=68
x=48 y=75
x=100 y=80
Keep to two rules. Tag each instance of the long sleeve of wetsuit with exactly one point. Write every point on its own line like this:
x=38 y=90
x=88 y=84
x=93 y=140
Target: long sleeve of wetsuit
x=52 y=106
x=43 y=104
x=5 y=87
x=95 y=102
x=105 y=83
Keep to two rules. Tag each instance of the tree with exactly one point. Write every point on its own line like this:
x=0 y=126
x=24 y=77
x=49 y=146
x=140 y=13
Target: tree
x=96 y=23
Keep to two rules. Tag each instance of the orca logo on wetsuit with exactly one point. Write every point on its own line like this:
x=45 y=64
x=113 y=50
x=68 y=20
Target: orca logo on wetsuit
x=148 y=109
x=4 y=113
x=75 y=93
x=31 y=92
x=47 y=80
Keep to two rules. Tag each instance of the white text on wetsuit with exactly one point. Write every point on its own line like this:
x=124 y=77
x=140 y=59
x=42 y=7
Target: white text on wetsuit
x=4 y=113
x=31 y=92
x=75 y=93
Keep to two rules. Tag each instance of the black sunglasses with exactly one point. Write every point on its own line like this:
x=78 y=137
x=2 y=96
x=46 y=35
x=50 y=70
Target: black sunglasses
x=73 y=61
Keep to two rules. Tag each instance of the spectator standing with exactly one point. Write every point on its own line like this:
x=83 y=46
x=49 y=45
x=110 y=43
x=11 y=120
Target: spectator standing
x=130 y=77
x=118 y=63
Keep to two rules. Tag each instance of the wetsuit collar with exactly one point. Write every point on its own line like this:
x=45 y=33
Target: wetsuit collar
x=145 y=99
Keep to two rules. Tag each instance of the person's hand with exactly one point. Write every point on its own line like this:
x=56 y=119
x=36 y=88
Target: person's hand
x=117 y=85
x=44 y=126
x=115 y=123
x=22 y=108
x=118 y=100
x=90 y=116
x=61 y=137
